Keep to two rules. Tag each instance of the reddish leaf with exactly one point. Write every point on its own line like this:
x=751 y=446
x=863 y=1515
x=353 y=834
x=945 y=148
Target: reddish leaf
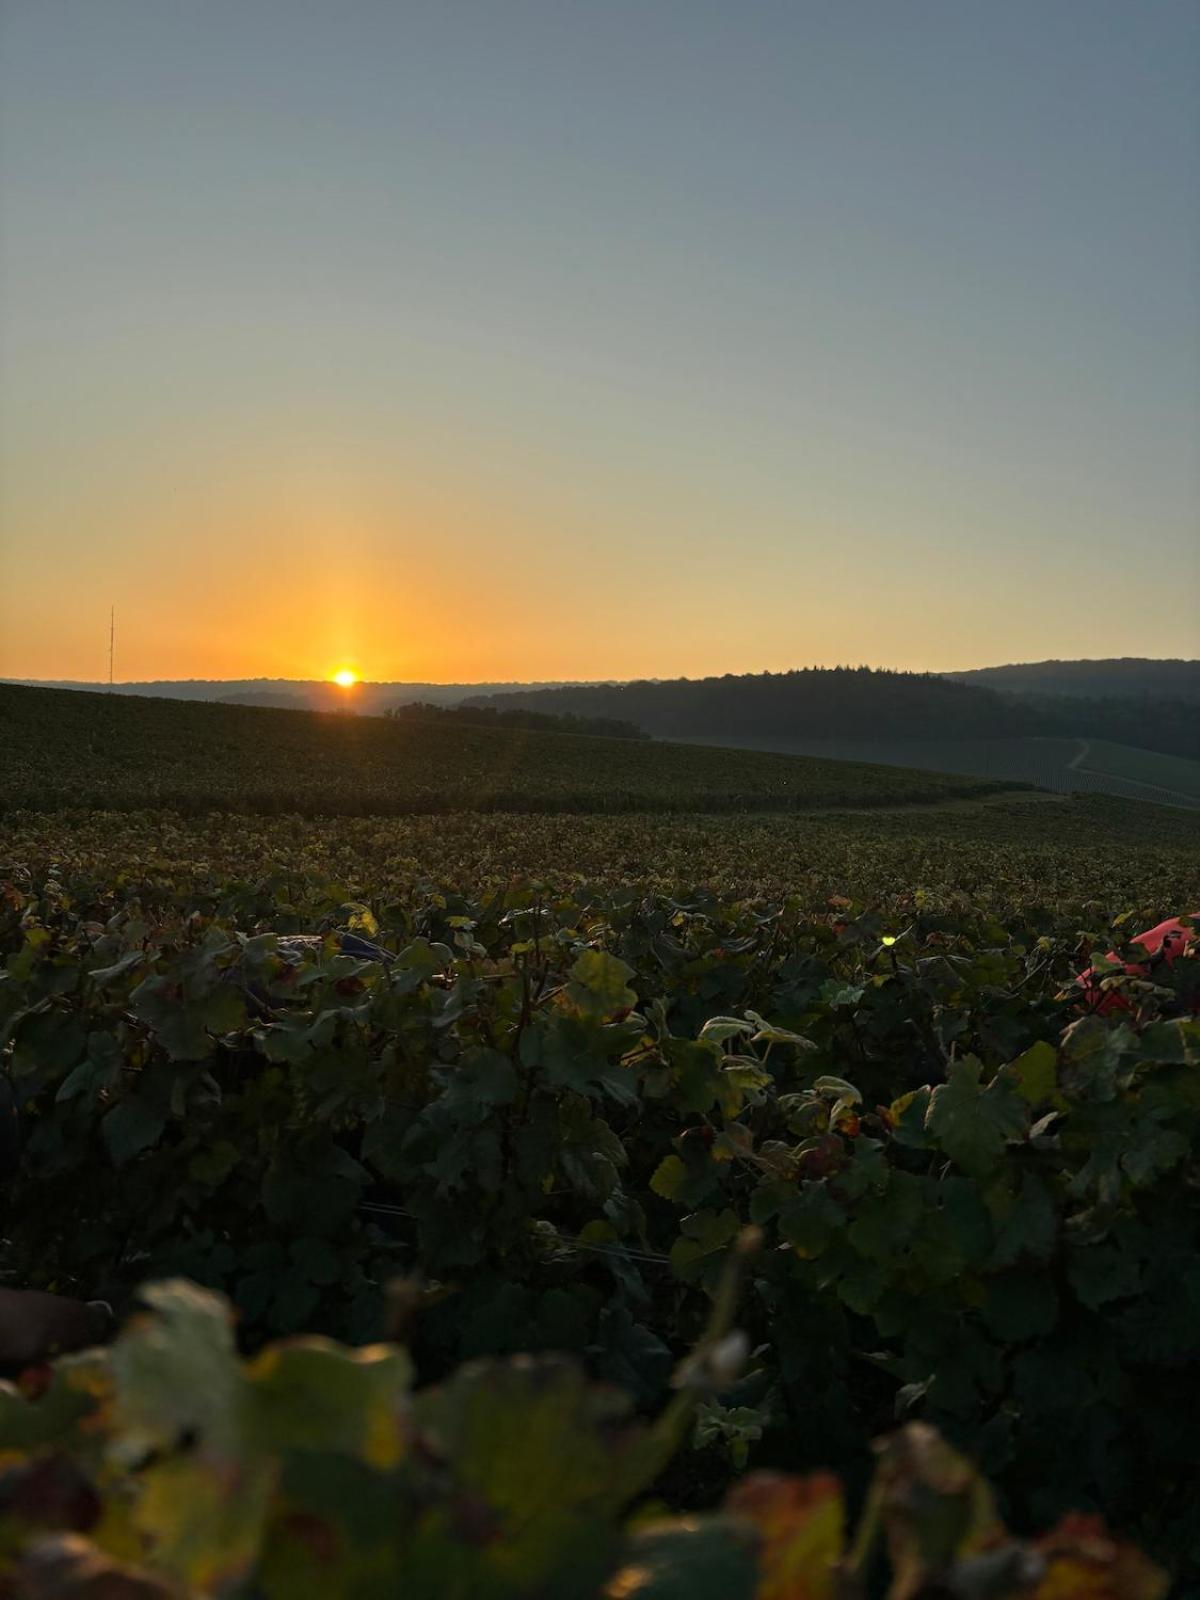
x=49 y=1491
x=1085 y=1562
x=800 y=1522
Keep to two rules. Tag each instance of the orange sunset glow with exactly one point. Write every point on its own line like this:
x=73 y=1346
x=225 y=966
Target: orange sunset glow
x=715 y=405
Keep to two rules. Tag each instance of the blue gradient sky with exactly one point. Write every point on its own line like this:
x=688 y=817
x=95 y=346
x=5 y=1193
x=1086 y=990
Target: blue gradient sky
x=542 y=338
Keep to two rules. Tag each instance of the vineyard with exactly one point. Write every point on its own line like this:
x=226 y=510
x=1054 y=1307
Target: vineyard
x=68 y=748
x=592 y=1192
x=1089 y=857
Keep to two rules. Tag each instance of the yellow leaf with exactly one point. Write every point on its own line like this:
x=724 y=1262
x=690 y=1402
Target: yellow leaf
x=204 y=1520
x=315 y=1394
x=362 y=920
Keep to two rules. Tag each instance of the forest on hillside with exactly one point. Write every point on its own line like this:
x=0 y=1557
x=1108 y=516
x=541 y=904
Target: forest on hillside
x=863 y=702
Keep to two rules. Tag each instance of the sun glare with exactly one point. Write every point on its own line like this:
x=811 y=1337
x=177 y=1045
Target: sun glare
x=345 y=679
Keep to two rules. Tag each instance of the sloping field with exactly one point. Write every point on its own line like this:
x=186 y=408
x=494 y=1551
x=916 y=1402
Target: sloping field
x=1140 y=769
x=61 y=748
x=1064 y=766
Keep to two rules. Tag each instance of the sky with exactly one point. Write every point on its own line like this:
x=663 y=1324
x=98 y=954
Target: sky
x=460 y=340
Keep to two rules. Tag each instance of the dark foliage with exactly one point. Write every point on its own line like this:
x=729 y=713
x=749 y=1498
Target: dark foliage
x=534 y=721
x=815 y=702
x=1170 y=724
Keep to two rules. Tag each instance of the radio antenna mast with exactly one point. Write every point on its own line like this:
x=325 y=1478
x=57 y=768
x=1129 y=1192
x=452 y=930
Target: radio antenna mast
x=112 y=627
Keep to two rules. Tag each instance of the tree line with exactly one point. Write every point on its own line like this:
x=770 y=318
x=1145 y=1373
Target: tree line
x=489 y=716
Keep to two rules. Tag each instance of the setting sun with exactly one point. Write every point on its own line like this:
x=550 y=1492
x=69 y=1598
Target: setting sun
x=345 y=679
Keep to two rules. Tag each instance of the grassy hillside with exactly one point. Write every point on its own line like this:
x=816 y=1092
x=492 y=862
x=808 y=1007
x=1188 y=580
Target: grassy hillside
x=1065 y=766
x=1141 y=769
x=68 y=748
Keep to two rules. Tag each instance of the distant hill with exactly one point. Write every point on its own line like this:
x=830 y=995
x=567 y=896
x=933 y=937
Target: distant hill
x=778 y=708
x=1123 y=675
x=299 y=694
x=1148 y=705
x=814 y=702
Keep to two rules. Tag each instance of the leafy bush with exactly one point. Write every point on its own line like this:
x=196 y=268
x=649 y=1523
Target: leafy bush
x=167 y=1467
